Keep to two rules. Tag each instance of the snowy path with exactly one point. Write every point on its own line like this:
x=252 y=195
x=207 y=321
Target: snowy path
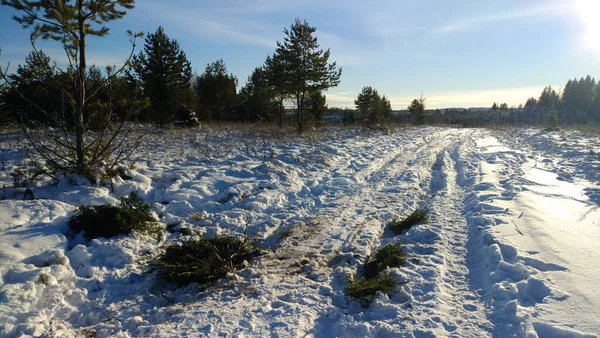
x=320 y=208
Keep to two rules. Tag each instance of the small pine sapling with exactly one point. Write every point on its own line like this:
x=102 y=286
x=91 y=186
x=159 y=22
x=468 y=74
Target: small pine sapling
x=365 y=289
x=418 y=216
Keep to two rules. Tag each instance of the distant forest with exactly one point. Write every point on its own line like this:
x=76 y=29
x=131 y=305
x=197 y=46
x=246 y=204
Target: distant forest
x=577 y=103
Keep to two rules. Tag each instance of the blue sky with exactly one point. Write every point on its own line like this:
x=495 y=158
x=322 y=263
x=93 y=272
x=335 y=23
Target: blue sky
x=457 y=53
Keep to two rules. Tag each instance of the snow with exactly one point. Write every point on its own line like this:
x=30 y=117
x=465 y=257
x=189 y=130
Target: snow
x=510 y=250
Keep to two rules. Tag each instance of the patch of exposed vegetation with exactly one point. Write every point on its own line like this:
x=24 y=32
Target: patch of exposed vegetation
x=203 y=261
x=419 y=216
x=390 y=255
x=365 y=289
x=107 y=220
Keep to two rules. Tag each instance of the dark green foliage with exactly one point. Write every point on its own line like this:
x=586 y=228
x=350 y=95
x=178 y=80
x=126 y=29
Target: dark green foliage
x=106 y=220
x=71 y=23
x=165 y=73
x=304 y=69
x=59 y=18
x=216 y=93
x=370 y=270
x=417 y=111
x=40 y=93
x=390 y=256
x=349 y=116
x=6 y=115
x=274 y=71
x=34 y=80
x=203 y=261
x=364 y=289
x=420 y=215
x=374 y=109
x=317 y=106
x=578 y=99
x=552 y=119
x=257 y=100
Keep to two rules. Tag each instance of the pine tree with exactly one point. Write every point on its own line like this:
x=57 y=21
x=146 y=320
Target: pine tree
x=274 y=68
x=216 y=93
x=35 y=80
x=417 y=111
x=71 y=22
x=305 y=68
x=317 y=104
x=552 y=119
x=165 y=73
x=595 y=108
x=374 y=109
x=258 y=102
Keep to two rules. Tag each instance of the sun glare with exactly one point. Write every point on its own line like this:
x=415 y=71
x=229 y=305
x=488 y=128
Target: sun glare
x=587 y=13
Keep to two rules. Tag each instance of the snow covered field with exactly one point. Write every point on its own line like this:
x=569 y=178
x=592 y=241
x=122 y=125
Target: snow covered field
x=511 y=250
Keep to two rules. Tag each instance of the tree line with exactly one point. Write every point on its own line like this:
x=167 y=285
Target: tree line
x=159 y=85
x=577 y=103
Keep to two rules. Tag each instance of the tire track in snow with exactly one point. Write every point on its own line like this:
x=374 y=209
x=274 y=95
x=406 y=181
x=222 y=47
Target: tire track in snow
x=461 y=311
x=350 y=225
x=297 y=290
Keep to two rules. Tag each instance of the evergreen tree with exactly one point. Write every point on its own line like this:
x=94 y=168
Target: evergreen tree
x=552 y=119
x=71 y=22
x=548 y=101
x=257 y=99
x=305 y=68
x=317 y=105
x=34 y=80
x=577 y=99
x=374 y=109
x=531 y=111
x=6 y=115
x=530 y=103
x=274 y=68
x=165 y=73
x=595 y=108
x=216 y=93
x=349 y=116
x=417 y=111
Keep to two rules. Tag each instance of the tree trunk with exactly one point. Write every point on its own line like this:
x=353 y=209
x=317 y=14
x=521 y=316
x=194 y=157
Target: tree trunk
x=299 y=114
x=79 y=122
x=281 y=112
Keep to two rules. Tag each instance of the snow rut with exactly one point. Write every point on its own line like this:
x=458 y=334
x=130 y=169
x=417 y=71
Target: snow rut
x=349 y=228
x=460 y=309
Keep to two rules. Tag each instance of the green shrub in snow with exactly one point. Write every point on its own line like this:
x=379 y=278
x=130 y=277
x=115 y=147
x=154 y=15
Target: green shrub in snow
x=419 y=216
x=106 y=220
x=364 y=289
x=390 y=255
x=203 y=261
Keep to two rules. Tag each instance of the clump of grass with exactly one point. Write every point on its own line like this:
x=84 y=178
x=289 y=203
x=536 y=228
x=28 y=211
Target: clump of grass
x=203 y=261
x=196 y=216
x=106 y=220
x=365 y=289
x=419 y=216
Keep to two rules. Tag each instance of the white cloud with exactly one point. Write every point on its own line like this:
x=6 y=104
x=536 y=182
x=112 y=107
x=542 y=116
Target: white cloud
x=548 y=9
x=194 y=21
